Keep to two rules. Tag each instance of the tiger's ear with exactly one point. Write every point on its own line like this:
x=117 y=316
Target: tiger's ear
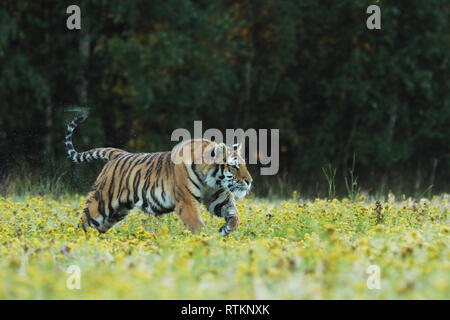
x=237 y=147
x=220 y=152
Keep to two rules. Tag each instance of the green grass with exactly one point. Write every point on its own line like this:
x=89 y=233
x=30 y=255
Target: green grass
x=290 y=249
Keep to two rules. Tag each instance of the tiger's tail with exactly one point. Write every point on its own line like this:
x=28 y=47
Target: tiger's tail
x=93 y=154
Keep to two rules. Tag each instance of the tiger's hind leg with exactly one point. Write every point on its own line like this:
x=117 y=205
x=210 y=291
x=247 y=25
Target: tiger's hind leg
x=93 y=216
x=99 y=215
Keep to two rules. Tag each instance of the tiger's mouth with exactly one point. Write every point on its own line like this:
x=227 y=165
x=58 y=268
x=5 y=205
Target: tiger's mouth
x=241 y=190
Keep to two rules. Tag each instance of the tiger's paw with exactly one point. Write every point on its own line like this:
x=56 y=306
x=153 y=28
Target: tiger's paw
x=225 y=230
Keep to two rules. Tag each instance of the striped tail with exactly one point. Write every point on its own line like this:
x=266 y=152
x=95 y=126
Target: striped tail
x=93 y=154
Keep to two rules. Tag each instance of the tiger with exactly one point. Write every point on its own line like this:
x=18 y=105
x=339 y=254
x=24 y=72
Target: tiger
x=195 y=171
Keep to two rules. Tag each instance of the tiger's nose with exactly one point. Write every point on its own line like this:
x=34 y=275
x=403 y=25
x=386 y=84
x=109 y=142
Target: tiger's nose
x=248 y=181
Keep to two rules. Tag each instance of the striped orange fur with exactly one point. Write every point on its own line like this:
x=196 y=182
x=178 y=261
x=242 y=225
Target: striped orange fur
x=206 y=172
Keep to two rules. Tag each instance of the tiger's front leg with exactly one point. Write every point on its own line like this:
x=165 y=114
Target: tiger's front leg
x=189 y=213
x=222 y=204
x=231 y=220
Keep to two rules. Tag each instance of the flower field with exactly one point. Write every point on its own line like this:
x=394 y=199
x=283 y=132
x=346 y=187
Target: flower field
x=282 y=250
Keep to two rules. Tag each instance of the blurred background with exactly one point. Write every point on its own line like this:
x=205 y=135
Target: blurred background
x=342 y=96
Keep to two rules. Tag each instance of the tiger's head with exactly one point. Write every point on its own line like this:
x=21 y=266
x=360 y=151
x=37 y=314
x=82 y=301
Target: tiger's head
x=229 y=170
x=215 y=164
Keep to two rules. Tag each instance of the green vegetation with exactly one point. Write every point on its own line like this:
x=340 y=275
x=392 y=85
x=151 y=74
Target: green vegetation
x=281 y=250
x=330 y=174
x=310 y=68
x=351 y=183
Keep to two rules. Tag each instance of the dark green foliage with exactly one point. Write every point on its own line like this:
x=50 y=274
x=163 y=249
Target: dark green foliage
x=310 y=68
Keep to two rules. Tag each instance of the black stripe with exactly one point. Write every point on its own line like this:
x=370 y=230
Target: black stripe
x=101 y=207
x=158 y=169
x=193 y=182
x=111 y=186
x=215 y=171
x=150 y=158
x=136 y=181
x=121 y=186
x=102 y=153
x=162 y=211
x=128 y=173
x=89 y=218
x=155 y=200
x=218 y=207
x=196 y=198
x=179 y=195
x=150 y=163
x=193 y=166
x=125 y=160
x=163 y=193
x=167 y=163
x=102 y=184
x=159 y=165
x=145 y=188
x=216 y=195
x=140 y=160
x=190 y=179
